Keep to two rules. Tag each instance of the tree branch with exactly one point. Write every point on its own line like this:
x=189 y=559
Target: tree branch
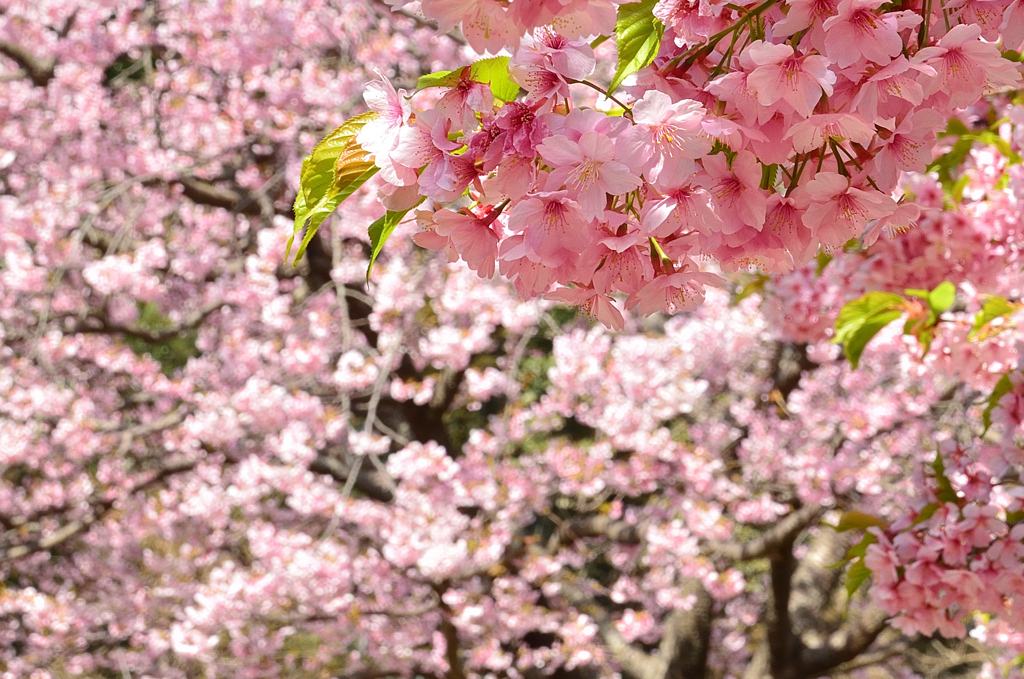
x=39 y=71
x=98 y=508
x=769 y=543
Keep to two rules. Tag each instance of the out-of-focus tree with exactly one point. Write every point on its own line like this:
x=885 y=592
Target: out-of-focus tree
x=215 y=464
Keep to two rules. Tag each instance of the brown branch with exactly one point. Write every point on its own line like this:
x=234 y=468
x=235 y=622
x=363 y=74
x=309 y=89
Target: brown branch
x=205 y=193
x=40 y=71
x=371 y=482
x=98 y=508
x=684 y=644
x=768 y=543
x=845 y=644
x=95 y=323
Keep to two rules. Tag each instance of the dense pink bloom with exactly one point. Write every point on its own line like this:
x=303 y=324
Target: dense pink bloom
x=545 y=64
x=781 y=74
x=587 y=169
x=554 y=229
x=665 y=140
x=858 y=31
x=671 y=293
x=837 y=211
x=738 y=197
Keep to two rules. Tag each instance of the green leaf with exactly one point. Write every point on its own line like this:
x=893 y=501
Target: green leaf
x=379 y=232
x=856 y=576
x=492 y=71
x=319 y=212
x=927 y=512
x=858 y=521
x=332 y=172
x=942 y=297
x=638 y=34
x=993 y=308
x=440 y=79
x=946 y=492
x=860 y=320
x=859 y=550
x=1002 y=388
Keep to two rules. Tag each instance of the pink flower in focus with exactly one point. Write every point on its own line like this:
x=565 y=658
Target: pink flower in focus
x=544 y=65
x=472 y=237
x=587 y=169
x=380 y=135
x=665 y=140
x=487 y=24
x=816 y=131
x=594 y=303
x=692 y=20
x=461 y=103
x=857 y=31
x=554 y=229
x=966 y=67
x=737 y=190
x=672 y=293
x=781 y=74
x=838 y=211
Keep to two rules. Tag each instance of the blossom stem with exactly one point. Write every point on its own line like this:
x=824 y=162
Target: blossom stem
x=628 y=112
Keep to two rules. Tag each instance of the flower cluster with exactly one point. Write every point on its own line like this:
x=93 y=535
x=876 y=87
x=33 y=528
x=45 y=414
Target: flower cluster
x=760 y=134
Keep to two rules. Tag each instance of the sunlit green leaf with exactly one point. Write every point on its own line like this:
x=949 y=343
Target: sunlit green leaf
x=993 y=308
x=638 y=35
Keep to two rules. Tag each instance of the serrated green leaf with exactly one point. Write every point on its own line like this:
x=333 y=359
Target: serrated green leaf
x=860 y=320
x=335 y=168
x=942 y=297
x=917 y=292
x=859 y=550
x=856 y=576
x=321 y=211
x=440 y=79
x=492 y=71
x=1002 y=388
x=927 y=512
x=379 y=233
x=638 y=35
x=854 y=520
x=993 y=308
x=946 y=492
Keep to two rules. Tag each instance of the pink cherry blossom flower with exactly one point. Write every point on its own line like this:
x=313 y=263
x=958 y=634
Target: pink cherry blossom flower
x=813 y=133
x=665 y=140
x=672 y=293
x=544 y=64
x=782 y=74
x=619 y=262
x=838 y=211
x=467 y=98
x=473 y=238
x=907 y=147
x=966 y=66
x=736 y=190
x=487 y=24
x=688 y=208
x=587 y=169
x=554 y=228
x=692 y=20
x=892 y=90
x=380 y=135
x=857 y=32
x=592 y=302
